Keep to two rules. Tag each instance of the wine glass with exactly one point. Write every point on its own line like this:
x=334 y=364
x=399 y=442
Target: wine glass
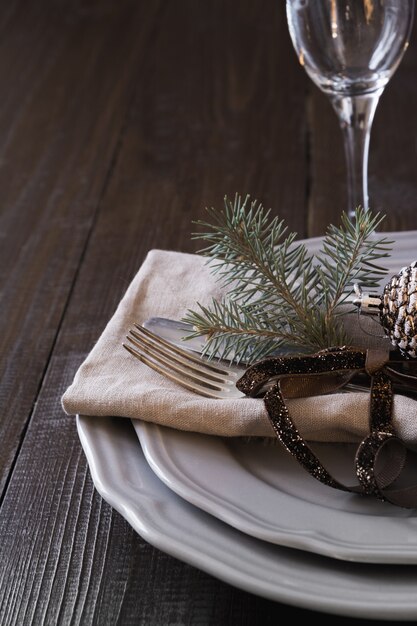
x=350 y=49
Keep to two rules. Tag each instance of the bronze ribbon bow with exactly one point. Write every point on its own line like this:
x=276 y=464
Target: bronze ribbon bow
x=381 y=456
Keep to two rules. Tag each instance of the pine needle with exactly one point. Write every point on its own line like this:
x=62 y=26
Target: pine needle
x=279 y=296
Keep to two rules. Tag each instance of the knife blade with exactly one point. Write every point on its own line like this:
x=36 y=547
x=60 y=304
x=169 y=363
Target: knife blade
x=174 y=331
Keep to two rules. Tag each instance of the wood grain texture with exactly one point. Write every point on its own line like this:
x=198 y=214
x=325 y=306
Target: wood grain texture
x=131 y=117
x=59 y=129
x=189 y=138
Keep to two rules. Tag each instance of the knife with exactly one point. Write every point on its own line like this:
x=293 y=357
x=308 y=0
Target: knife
x=174 y=331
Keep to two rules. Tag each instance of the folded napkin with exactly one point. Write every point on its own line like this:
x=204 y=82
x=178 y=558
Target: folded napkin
x=111 y=382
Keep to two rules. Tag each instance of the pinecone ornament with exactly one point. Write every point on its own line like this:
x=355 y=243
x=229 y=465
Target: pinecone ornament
x=397 y=309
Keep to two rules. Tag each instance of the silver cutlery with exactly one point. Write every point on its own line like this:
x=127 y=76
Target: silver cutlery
x=210 y=379
x=171 y=333
x=175 y=332
x=157 y=344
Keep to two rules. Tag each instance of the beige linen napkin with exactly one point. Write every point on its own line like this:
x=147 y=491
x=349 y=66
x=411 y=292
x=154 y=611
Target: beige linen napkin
x=112 y=382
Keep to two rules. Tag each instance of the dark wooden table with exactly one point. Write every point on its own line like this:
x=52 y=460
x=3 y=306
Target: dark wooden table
x=119 y=121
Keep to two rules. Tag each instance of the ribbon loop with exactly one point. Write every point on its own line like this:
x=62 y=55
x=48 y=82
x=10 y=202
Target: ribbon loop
x=314 y=374
x=375 y=360
x=381 y=455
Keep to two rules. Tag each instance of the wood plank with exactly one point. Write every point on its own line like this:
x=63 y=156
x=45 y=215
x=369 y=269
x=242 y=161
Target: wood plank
x=60 y=124
x=191 y=136
x=392 y=179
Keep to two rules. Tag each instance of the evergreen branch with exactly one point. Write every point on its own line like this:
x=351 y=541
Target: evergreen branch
x=251 y=253
x=227 y=323
x=279 y=295
x=347 y=257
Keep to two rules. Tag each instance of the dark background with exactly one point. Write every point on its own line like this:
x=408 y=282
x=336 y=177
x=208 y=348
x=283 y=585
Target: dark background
x=119 y=122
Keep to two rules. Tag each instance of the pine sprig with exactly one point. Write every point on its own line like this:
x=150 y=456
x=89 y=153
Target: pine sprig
x=279 y=296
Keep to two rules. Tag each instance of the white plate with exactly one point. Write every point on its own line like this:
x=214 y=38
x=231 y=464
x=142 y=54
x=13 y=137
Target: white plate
x=124 y=479
x=266 y=494
x=262 y=491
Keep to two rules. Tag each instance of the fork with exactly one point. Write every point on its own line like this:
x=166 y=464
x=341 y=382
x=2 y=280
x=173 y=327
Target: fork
x=208 y=378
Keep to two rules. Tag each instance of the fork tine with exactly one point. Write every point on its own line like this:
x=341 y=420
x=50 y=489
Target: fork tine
x=166 y=360
x=169 y=373
x=184 y=353
x=192 y=372
x=180 y=357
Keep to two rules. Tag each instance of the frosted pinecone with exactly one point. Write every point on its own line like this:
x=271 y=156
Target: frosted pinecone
x=399 y=310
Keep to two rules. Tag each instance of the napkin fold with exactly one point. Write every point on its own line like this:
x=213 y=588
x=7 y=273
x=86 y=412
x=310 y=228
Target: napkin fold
x=111 y=382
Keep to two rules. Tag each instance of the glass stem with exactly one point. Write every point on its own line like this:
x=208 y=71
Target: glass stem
x=356 y=114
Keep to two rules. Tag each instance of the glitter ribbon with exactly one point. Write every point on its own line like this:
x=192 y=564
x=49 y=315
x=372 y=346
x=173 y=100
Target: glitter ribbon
x=381 y=456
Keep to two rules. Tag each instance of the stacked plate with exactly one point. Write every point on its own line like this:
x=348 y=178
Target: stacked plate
x=248 y=514
x=267 y=496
